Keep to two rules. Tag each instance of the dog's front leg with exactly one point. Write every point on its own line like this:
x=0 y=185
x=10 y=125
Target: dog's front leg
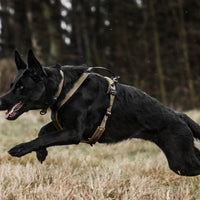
x=42 y=152
x=52 y=139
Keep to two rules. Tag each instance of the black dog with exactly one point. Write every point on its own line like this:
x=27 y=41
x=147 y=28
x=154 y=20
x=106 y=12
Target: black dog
x=134 y=114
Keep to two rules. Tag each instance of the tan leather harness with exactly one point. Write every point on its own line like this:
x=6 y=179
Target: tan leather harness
x=111 y=90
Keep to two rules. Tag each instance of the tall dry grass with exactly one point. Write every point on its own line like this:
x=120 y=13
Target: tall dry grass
x=132 y=169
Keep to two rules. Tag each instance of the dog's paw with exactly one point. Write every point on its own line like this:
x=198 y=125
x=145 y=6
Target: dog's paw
x=41 y=154
x=19 y=150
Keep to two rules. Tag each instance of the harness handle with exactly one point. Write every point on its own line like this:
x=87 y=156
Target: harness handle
x=114 y=77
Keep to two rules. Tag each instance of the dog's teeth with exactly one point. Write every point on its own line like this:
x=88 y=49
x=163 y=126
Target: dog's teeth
x=12 y=112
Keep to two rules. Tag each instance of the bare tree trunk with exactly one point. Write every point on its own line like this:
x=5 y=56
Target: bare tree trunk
x=39 y=33
x=157 y=53
x=52 y=32
x=96 y=30
x=7 y=34
x=33 y=35
x=77 y=29
x=86 y=40
x=182 y=33
x=145 y=42
x=20 y=21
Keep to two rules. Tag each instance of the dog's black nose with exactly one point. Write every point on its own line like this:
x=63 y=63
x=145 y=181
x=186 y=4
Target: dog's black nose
x=0 y=102
x=3 y=106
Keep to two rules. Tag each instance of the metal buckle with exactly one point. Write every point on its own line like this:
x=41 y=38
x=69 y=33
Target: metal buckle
x=113 y=90
x=43 y=111
x=108 y=113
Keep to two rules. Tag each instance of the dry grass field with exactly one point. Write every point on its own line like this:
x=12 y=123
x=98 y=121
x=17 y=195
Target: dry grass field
x=133 y=169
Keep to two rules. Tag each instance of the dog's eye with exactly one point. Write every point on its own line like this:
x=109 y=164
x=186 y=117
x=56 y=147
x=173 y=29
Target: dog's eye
x=21 y=87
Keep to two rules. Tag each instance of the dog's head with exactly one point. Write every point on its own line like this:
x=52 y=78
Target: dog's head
x=27 y=91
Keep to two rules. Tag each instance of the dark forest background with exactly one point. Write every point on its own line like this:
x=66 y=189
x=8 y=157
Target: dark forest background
x=152 y=44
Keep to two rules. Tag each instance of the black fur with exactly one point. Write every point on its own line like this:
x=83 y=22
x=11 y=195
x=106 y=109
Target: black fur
x=134 y=114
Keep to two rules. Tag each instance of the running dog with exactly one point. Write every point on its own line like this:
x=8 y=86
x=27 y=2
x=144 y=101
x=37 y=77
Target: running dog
x=135 y=114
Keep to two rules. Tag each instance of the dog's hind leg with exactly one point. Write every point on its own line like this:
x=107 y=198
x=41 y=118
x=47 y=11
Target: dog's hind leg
x=178 y=145
x=197 y=152
x=195 y=128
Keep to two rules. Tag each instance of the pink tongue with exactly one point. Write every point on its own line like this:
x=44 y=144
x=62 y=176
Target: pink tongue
x=13 y=110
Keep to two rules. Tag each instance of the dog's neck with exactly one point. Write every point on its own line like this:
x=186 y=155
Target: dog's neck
x=67 y=77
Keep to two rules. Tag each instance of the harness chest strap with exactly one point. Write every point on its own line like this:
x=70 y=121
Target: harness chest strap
x=54 y=114
x=101 y=128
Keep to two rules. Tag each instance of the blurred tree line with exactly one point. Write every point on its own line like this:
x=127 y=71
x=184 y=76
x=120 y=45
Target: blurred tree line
x=152 y=44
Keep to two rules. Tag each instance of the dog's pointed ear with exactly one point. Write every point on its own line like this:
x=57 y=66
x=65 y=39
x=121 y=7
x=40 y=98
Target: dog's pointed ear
x=19 y=62
x=34 y=65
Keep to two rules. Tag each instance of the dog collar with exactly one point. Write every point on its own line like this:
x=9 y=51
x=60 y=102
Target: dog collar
x=44 y=110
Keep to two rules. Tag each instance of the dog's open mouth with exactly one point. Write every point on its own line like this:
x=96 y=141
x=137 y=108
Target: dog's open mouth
x=13 y=112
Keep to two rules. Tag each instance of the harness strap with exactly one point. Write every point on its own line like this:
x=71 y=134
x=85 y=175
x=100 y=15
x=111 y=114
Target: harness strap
x=60 y=86
x=101 y=128
x=74 y=88
x=54 y=114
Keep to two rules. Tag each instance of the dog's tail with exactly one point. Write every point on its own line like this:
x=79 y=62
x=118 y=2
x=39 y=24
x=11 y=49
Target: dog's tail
x=195 y=128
